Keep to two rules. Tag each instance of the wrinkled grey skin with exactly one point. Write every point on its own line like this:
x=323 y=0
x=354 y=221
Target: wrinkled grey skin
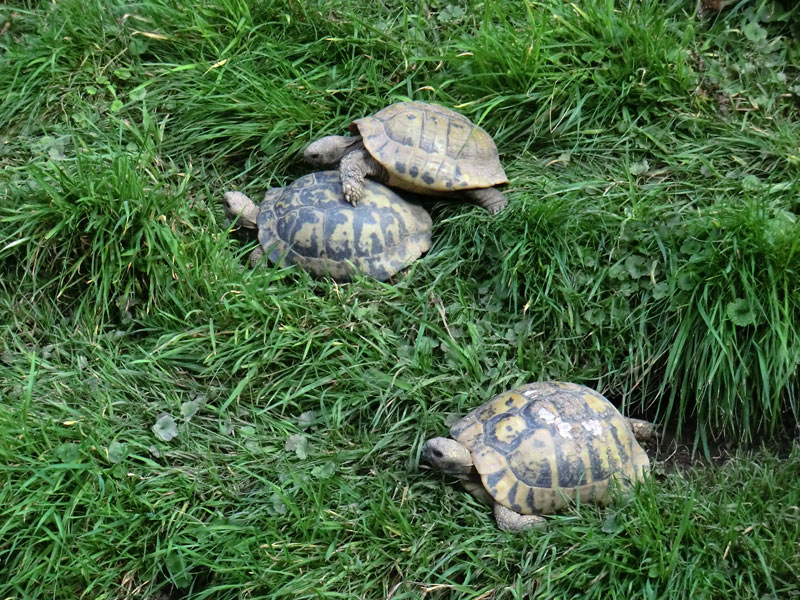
x=237 y=205
x=354 y=162
x=448 y=456
x=328 y=151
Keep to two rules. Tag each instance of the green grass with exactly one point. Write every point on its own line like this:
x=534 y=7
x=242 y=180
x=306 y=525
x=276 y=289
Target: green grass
x=650 y=249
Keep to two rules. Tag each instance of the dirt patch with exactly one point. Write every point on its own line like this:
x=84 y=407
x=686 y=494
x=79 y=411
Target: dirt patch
x=670 y=453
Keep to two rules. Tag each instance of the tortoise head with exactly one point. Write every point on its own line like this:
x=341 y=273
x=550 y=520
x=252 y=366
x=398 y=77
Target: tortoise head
x=328 y=151
x=237 y=205
x=447 y=456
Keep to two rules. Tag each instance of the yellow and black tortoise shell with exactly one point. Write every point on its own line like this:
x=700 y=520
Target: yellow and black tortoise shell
x=541 y=445
x=311 y=225
x=427 y=147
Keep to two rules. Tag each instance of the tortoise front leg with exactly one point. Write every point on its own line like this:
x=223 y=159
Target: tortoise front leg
x=255 y=256
x=354 y=167
x=491 y=199
x=508 y=520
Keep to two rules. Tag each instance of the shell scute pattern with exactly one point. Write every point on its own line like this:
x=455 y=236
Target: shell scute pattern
x=339 y=242
x=543 y=444
x=570 y=467
x=430 y=147
x=505 y=431
x=311 y=225
x=306 y=230
x=400 y=127
x=535 y=461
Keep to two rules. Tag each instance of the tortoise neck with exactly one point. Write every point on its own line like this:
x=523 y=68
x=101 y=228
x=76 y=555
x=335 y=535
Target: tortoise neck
x=347 y=144
x=249 y=216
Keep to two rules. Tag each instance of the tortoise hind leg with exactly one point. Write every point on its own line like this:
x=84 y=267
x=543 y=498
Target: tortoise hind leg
x=354 y=167
x=508 y=520
x=491 y=199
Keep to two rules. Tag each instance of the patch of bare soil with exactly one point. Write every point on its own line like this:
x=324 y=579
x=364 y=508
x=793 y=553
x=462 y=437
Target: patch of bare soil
x=670 y=453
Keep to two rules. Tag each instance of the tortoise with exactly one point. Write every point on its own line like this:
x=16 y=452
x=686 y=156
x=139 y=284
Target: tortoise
x=531 y=450
x=419 y=147
x=308 y=224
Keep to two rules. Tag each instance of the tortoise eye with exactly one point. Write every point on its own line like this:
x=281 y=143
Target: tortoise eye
x=437 y=453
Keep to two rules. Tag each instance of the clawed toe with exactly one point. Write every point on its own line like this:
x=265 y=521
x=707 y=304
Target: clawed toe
x=351 y=195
